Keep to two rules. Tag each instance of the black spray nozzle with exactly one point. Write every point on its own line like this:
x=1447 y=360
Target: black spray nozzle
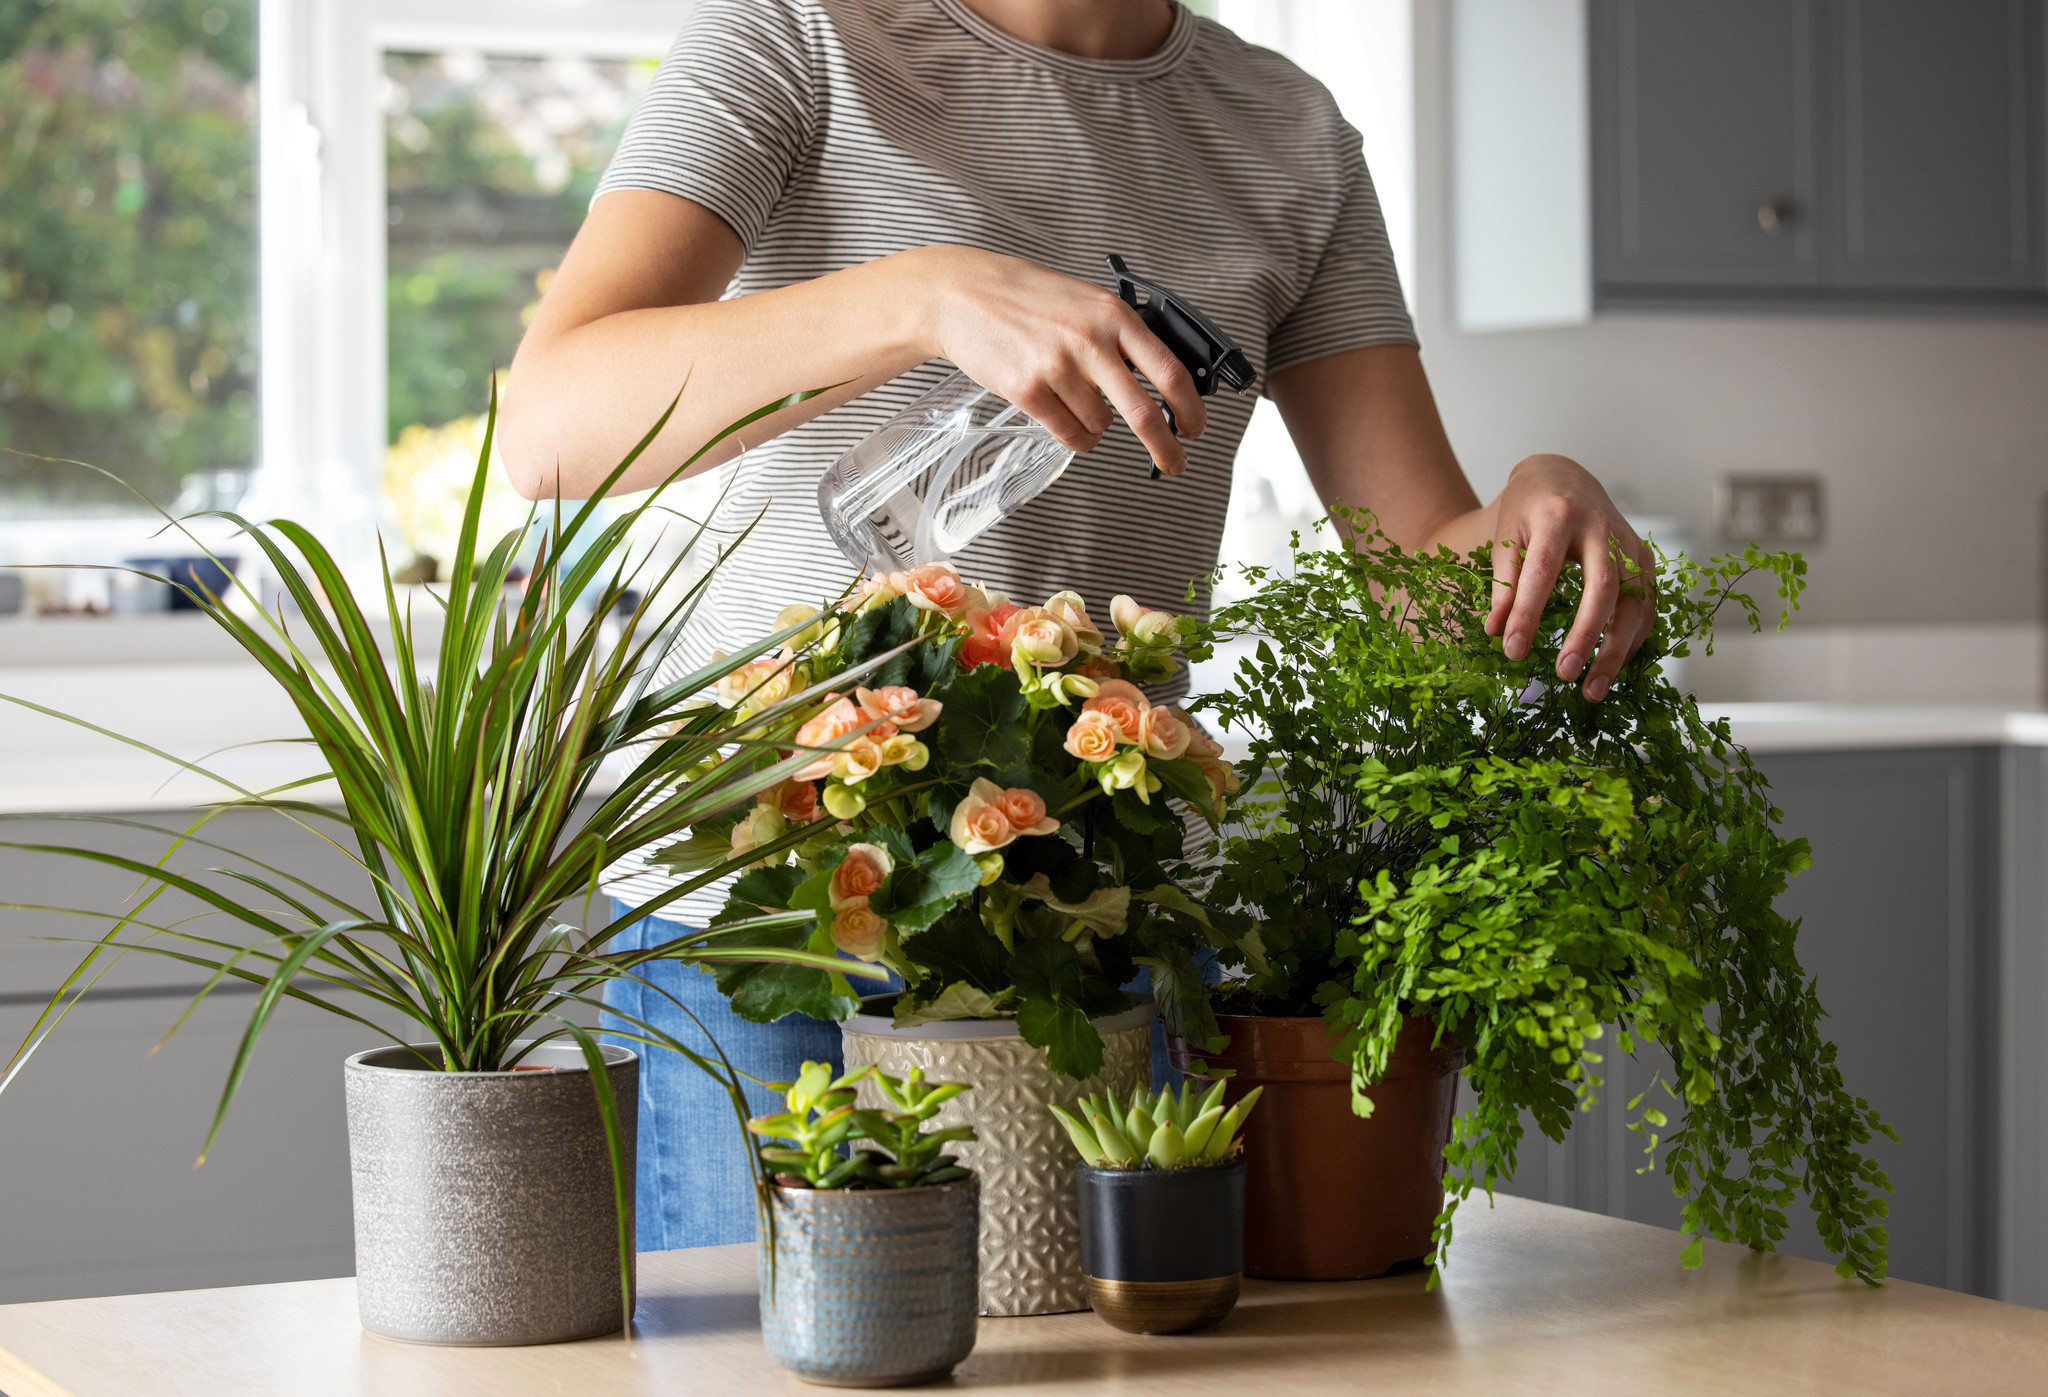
x=1210 y=355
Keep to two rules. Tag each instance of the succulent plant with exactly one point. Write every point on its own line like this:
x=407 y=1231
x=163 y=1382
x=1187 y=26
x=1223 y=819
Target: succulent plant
x=1163 y=1131
x=821 y=1123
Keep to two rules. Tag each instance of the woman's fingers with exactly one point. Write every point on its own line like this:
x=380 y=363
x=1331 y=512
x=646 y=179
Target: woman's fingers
x=1635 y=612
x=1507 y=567
x=1145 y=351
x=1084 y=402
x=1049 y=409
x=1597 y=598
x=1541 y=563
x=1147 y=419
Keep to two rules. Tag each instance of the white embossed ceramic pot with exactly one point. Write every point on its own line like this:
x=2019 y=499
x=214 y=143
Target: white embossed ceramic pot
x=1030 y=1217
x=485 y=1211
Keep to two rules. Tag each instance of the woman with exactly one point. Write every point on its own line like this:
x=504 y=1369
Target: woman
x=849 y=192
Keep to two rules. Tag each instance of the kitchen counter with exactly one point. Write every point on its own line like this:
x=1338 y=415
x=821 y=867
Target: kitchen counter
x=1537 y=1299
x=236 y=719
x=1814 y=727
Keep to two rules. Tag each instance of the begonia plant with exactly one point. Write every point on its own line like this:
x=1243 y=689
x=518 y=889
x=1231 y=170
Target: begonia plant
x=995 y=811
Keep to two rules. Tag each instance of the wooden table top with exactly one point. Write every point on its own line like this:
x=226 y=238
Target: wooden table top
x=1537 y=1299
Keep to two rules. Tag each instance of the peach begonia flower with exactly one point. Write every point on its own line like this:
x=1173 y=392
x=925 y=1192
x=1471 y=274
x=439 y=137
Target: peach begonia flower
x=859 y=875
x=1025 y=810
x=1093 y=737
x=859 y=759
x=937 y=587
x=760 y=825
x=796 y=800
x=907 y=752
x=1099 y=667
x=1070 y=608
x=1035 y=636
x=876 y=589
x=1125 y=704
x=1164 y=733
x=1143 y=626
x=1207 y=754
x=897 y=709
x=758 y=684
x=839 y=718
x=1222 y=775
x=979 y=825
x=858 y=931
x=983 y=644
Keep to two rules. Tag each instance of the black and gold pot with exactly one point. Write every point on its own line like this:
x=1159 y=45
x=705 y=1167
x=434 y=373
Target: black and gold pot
x=1162 y=1249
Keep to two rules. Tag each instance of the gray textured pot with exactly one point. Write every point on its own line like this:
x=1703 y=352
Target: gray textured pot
x=872 y=1287
x=484 y=1204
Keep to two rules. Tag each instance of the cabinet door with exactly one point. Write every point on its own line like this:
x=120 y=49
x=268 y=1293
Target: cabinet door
x=1704 y=143
x=1937 y=147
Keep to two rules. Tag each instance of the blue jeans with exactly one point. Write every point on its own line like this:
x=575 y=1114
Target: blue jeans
x=696 y=1185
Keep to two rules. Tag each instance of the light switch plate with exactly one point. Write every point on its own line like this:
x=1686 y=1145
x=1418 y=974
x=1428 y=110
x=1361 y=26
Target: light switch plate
x=1769 y=508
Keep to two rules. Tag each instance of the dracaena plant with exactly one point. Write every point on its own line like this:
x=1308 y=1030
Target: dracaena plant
x=1163 y=1131
x=1446 y=832
x=476 y=799
x=809 y=1145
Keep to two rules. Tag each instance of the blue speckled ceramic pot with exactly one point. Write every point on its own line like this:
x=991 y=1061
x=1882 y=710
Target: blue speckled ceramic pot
x=873 y=1287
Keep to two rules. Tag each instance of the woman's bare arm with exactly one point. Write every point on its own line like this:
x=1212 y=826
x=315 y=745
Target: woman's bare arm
x=633 y=313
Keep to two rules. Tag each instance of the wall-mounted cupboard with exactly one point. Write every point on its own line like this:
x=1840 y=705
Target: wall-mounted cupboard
x=1798 y=150
x=1617 y=153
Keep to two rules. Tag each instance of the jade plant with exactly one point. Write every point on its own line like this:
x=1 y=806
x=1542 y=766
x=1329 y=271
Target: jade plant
x=1166 y=1131
x=810 y=1144
x=1445 y=832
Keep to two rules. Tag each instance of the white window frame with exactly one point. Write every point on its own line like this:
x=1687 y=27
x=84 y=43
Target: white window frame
x=323 y=223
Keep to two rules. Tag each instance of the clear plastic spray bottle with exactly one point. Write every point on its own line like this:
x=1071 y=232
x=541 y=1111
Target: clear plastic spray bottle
x=943 y=471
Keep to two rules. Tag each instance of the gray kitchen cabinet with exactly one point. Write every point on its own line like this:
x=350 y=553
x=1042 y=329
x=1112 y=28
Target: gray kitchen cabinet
x=98 y=1133
x=1921 y=921
x=1702 y=115
x=1818 y=150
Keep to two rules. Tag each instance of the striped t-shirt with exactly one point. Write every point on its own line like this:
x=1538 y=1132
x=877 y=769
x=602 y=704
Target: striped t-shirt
x=832 y=132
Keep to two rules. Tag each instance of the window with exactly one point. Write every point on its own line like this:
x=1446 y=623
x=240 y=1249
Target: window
x=489 y=164
x=377 y=214
x=127 y=253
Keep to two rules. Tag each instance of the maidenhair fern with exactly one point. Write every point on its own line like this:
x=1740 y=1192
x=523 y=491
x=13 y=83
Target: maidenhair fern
x=1445 y=831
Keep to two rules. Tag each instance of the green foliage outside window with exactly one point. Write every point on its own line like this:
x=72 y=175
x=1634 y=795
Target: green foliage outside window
x=489 y=164
x=127 y=245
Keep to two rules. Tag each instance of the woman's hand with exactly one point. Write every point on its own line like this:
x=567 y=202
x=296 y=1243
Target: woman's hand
x=1057 y=347
x=1551 y=512
x=1368 y=431
x=637 y=310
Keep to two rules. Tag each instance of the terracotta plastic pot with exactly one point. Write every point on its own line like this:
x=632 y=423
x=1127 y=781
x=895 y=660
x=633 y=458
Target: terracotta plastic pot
x=1330 y=1195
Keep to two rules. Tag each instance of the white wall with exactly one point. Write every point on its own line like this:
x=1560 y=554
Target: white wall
x=1931 y=431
